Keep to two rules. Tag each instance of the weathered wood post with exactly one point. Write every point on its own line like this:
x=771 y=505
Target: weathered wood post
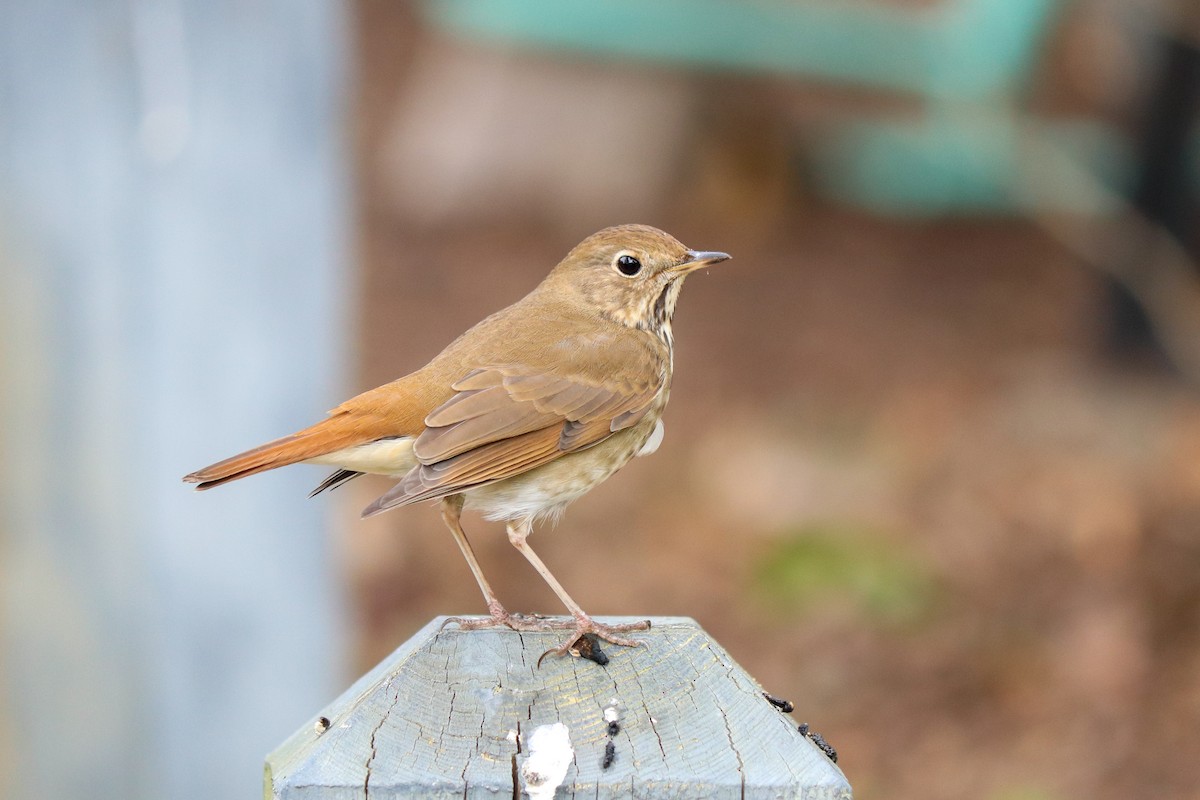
x=469 y=714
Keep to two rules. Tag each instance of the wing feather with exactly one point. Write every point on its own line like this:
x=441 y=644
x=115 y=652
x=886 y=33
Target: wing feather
x=487 y=464
x=506 y=420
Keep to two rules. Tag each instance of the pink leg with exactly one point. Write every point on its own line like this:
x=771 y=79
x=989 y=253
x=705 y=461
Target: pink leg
x=518 y=534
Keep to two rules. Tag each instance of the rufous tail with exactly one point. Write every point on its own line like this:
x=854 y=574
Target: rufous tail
x=324 y=437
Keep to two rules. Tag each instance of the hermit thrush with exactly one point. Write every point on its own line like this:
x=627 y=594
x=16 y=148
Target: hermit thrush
x=523 y=413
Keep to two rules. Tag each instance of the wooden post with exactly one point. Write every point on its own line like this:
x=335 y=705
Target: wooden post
x=459 y=714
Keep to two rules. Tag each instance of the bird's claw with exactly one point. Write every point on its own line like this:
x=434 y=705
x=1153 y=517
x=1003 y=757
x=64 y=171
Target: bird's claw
x=586 y=631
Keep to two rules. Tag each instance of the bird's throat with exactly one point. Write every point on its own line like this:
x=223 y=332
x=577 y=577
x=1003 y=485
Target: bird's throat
x=663 y=311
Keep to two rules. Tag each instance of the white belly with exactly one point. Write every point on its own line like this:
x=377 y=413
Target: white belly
x=547 y=490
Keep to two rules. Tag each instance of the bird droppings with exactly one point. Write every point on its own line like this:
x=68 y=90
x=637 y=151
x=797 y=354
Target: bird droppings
x=512 y=736
x=550 y=756
x=321 y=725
x=612 y=716
x=819 y=740
x=588 y=647
x=786 y=706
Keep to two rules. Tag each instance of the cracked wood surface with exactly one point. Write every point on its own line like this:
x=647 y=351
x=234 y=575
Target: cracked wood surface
x=439 y=718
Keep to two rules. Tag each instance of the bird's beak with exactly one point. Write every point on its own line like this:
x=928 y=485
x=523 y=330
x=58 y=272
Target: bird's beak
x=697 y=259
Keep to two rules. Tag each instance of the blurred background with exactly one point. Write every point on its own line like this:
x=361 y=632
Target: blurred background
x=932 y=464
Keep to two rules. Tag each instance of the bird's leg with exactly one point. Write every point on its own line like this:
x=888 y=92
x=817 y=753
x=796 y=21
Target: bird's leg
x=452 y=516
x=518 y=533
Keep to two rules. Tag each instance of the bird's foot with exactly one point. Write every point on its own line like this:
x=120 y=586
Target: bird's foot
x=586 y=630
x=498 y=617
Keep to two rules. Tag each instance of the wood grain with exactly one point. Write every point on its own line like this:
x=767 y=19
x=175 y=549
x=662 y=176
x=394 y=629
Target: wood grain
x=440 y=718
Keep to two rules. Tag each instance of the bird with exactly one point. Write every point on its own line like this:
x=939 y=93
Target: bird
x=520 y=415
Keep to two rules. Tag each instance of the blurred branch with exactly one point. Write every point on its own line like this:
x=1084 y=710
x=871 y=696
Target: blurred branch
x=1125 y=244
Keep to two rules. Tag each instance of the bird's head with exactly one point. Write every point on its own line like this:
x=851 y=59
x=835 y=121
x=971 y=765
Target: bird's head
x=631 y=274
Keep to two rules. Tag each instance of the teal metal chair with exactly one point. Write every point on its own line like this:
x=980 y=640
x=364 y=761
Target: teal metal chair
x=970 y=60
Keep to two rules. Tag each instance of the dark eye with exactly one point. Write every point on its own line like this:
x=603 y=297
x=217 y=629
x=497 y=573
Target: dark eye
x=629 y=265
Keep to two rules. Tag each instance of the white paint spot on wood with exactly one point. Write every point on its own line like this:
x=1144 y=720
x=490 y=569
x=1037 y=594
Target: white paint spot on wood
x=550 y=756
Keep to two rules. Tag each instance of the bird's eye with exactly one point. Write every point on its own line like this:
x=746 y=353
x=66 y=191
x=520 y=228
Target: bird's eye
x=628 y=265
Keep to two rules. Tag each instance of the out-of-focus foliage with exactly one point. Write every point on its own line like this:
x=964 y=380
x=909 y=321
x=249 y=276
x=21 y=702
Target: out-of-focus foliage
x=838 y=563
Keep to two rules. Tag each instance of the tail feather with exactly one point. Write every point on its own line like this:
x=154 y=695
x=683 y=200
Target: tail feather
x=318 y=440
x=334 y=481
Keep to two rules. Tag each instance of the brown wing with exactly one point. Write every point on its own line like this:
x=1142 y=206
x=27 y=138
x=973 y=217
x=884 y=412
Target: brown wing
x=505 y=420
